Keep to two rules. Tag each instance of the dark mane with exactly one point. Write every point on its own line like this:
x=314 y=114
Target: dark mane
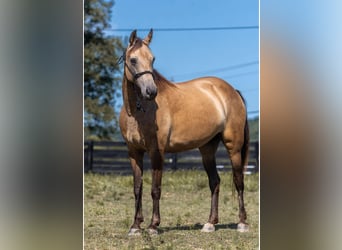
x=161 y=81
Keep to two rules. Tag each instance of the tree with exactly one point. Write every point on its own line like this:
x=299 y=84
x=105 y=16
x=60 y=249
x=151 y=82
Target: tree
x=101 y=72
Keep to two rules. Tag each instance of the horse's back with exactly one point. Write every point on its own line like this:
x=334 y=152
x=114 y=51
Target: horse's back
x=199 y=110
x=217 y=91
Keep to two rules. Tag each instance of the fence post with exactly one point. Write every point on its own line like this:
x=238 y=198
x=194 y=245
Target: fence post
x=85 y=157
x=257 y=155
x=174 y=161
x=89 y=156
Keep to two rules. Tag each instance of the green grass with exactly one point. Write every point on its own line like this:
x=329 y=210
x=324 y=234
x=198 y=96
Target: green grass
x=184 y=208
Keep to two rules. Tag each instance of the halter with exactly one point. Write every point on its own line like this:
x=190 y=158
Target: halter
x=135 y=75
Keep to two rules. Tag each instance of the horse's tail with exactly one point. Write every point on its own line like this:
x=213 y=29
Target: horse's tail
x=245 y=146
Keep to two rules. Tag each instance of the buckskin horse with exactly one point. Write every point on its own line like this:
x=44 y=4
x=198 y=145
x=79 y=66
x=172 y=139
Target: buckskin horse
x=159 y=116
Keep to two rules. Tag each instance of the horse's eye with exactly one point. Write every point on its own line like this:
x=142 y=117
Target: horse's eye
x=153 y=60
x=133 y=61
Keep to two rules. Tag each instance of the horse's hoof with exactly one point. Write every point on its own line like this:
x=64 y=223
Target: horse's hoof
x=208 y=228
x=134 y=232
x=152 y=231
x=242 y=227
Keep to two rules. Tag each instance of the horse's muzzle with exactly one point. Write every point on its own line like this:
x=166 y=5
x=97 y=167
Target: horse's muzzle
x=147 y=87
x=151 y=93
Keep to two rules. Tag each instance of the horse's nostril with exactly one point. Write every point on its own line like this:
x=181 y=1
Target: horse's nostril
x=151 y=92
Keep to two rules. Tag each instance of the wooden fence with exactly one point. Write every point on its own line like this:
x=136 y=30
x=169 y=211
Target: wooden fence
x=112 y=157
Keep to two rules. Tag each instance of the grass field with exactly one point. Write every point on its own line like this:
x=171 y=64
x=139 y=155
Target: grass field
x=184 y=208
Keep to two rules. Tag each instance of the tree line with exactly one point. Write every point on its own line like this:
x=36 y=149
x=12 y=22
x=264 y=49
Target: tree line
x=102 y=73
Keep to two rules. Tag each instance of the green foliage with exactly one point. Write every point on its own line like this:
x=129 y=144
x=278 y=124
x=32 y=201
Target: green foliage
x=102 y=76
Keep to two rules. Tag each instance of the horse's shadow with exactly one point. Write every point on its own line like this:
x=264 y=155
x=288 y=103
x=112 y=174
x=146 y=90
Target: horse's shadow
x=195 y=227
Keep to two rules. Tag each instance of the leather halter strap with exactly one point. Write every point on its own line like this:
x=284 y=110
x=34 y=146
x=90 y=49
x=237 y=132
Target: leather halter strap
x=135 y=75
x=139 y=74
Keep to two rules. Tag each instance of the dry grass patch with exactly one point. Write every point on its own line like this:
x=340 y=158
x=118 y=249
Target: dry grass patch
x=184 y=207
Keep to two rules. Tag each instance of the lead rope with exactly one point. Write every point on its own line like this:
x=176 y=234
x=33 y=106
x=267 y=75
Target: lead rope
x=138 y=103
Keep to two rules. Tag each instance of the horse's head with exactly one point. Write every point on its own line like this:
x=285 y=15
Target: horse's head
x=139 y=65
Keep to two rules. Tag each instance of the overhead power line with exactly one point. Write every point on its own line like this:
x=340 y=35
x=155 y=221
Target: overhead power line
x=242 y=65
x=187 y=29
x=240 y=74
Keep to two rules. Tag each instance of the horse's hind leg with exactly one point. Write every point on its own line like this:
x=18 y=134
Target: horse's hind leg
x=208 y=158
x=237 y=149
x=238 y=178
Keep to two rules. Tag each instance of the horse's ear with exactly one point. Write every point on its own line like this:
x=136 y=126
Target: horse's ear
x=132 y=37
x=148 y=38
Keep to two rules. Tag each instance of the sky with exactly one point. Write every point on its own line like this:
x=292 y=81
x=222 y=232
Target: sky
x=231 y=54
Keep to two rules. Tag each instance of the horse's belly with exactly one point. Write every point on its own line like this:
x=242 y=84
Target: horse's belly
x=192 y=137
x=180 y=146
x=195 y=129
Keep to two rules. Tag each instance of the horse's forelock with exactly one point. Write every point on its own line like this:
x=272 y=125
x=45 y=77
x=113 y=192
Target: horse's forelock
x=135 y=45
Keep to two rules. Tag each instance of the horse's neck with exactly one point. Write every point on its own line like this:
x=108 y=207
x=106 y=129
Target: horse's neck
x=131 y=101
x=129 y=96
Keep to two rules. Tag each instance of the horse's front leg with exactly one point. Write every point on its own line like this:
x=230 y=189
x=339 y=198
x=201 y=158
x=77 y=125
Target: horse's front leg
x=136 y=159
x=157 y=168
